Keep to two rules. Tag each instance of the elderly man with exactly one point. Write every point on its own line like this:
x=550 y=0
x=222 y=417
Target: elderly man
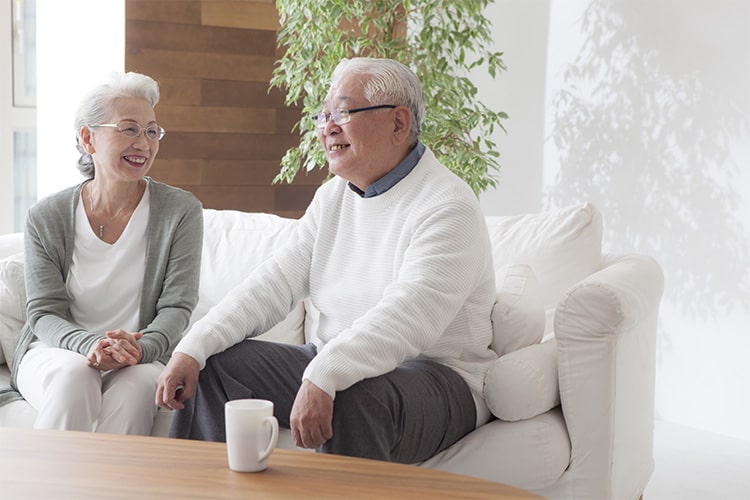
x=394 y=254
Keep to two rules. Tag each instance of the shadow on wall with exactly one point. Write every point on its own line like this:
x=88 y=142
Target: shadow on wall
x=647 y=123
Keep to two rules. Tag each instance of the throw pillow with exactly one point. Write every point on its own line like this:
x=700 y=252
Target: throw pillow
x=235 y=243
x=562 y=246
x=12 y=304
x=523 y=383
x=518 y=314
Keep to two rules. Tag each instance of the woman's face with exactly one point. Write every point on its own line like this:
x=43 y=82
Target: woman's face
x=118 y=157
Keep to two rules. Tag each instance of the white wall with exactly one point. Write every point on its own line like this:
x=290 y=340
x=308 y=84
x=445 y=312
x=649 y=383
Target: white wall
x=645 y=111
x=78 y=43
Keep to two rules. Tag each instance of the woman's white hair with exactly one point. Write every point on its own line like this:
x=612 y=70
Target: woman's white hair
x=388 y=82
x=97 y=106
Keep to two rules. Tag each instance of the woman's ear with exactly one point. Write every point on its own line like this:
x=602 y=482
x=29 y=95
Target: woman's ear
x=401 y=124
x=86 y=139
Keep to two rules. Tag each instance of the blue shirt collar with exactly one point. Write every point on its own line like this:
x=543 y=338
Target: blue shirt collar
x=396 y=174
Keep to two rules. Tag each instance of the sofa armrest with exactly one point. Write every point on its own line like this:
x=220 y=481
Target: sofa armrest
x=605 y=328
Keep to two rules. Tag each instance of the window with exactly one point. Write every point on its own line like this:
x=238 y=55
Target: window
x=18 y=110
x=24 y=53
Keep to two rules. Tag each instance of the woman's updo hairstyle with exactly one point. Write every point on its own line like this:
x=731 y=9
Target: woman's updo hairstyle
x=97 y=106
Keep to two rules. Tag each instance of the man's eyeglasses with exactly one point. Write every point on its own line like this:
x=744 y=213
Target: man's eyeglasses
x=132 y=129
x=342 y=115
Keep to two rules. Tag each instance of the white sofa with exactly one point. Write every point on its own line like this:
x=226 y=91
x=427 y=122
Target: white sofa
x=573 y=387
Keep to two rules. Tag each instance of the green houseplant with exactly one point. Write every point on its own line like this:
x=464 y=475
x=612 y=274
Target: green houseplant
x=441 y=40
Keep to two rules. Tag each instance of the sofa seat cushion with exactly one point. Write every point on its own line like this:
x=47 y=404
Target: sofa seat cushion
x=529 y=454
x=17 y=413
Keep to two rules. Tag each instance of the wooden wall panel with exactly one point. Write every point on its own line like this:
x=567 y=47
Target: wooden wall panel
x=172 y=11
x=258 y=14
x=226 y=133
x=203 y=39
x=215 y=119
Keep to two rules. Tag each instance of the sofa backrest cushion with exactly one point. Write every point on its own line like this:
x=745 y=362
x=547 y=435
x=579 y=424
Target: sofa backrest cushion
x=12 y=305
x=10 y=244
x=518 y=317
x=235 y=243
x=561 y=246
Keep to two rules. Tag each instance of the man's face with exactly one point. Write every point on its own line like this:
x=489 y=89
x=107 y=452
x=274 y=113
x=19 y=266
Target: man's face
x=360 y=150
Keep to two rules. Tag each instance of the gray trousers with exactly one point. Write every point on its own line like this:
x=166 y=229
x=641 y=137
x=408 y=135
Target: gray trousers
x=407 y=415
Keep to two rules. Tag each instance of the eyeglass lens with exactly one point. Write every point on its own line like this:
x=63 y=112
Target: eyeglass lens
x=341 y=116
x=153 y=132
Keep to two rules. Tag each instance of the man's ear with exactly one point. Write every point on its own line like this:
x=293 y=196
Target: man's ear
x=401 y=124
x=86 y=137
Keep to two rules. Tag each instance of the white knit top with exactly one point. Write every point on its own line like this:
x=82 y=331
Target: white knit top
x=401 y=275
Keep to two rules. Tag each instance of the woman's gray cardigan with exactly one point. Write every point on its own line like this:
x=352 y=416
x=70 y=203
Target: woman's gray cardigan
x=170 y=281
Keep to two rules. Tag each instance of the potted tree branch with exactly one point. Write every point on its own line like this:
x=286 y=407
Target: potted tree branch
x=442 y=41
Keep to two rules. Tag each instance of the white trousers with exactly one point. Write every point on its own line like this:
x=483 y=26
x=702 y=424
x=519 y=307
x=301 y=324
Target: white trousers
x=70 y=395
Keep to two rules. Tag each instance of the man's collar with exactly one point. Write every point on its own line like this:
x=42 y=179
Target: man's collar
x=394 y=175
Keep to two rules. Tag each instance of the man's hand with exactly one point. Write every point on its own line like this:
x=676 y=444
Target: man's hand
x=312 y=416
x=177 y=382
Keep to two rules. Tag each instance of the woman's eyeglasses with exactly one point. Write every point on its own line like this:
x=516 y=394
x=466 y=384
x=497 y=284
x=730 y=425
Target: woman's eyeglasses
x=132 y=129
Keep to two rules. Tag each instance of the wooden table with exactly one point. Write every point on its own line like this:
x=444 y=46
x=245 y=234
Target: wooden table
x=80 y=465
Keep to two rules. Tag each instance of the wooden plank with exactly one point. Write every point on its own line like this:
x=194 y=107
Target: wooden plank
x=293 y=197
x=225 y=146
x=173 y=11
x=198 y=38
x=245 y=172
x=286 y=121
x=240 y=94
x=179 y=91
x=210 y=172
x=240 y=14
x=240 y=172
x=178 y=172
x=289 y=214
x=178 y=64
x=216 y=119
x=245 y=198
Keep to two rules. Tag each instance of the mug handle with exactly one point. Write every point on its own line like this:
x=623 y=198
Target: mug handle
x=274 y=437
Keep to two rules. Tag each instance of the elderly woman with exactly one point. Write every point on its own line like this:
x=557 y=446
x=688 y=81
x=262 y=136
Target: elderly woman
x=112 y=269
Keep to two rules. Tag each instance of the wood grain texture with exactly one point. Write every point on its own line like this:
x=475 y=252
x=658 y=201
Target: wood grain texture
x=79 y=465
x=240 y=14
x=200 y=38
x=217 y=146
x=184 y=64
x=243 y=198
x=185 y=91
x=240 y=93
x=217 y=119
x=173 y=11
x=226 y=133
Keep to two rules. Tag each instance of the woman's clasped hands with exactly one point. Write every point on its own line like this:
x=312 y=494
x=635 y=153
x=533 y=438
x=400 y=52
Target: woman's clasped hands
x=117 y=350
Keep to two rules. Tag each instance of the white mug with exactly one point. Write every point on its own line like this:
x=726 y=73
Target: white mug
x=252 y=433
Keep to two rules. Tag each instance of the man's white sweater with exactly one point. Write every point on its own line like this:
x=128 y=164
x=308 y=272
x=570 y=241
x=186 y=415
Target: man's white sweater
x=401 y=275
